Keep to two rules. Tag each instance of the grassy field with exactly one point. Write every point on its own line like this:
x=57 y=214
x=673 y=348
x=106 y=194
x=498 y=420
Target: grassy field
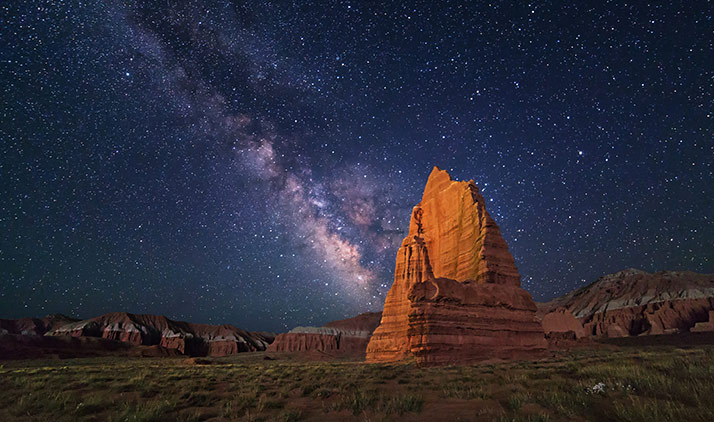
x=627 y=383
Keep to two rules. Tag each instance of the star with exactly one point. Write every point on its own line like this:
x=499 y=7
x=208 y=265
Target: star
x=227 y=164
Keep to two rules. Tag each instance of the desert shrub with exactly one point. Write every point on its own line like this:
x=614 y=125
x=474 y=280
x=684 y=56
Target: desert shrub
x=145 y=411
x=402 y=403
x=309 y=388
x=93 y=404
x=516 y=401
x=358 y=401
x=568 y=403
x=199 y=399
x=540 y=417
x=322 y=393
x=464 y=391
x=290 y=416
x=637 y=409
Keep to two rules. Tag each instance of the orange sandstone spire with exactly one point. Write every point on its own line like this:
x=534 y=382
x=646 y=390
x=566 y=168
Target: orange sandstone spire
x=463 y=241
x=452 y=239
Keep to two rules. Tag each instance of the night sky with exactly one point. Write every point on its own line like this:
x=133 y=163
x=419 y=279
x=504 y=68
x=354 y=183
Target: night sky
x=256 y=163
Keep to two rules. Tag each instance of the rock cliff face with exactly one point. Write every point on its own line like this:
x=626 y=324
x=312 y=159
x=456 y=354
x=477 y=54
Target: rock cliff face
x=462 y=240
x=347 y=337
x=184 y=337
x=456 y=294
x=452 y=321
x=633 y=302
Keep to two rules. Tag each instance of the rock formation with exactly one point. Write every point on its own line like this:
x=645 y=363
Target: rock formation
x=140 y=330
x=456 y=294
x=34 y=326
x=562 y=321
x=633 y=302
x=347 y=337
x=19 y=346
x=702 y=326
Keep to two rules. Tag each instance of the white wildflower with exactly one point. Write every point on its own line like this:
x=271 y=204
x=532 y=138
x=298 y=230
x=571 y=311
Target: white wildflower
x=598 y=388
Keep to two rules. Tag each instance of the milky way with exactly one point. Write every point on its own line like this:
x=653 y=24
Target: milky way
x=255 y=163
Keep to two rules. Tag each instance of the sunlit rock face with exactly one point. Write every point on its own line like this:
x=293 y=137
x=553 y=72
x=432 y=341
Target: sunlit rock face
x=462 y=240
x=456 y=294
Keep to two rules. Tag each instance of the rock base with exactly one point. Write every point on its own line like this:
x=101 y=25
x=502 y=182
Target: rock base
x=461 y=322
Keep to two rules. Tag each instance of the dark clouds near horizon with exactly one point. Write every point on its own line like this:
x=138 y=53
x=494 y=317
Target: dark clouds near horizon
x=255 y=163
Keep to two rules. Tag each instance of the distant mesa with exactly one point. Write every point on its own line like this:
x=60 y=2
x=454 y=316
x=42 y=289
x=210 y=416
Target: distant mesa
x=125 y=333
x=456 y=295
x=336 y=339
x=634 y=303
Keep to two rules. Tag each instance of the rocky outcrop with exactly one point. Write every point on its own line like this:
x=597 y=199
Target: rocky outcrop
x=34 y=326
x=18 y=346
x=633 y=302
x=148 y=330
x=347 y=337
x=562 y=321
x=703 y=326
x=456 y=294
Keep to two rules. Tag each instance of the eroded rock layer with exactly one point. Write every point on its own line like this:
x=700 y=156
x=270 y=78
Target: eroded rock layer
x=34 y=326
x=184 y=337
x=451 y=321
x=477 y=308
x=389 y=340
x=347 y=337
x=633 y=302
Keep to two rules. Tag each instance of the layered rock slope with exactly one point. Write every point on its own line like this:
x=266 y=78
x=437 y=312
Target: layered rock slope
x=347 y=337
x=634 y=302
x=34 y=326
x=143 y=330
x=456 y=294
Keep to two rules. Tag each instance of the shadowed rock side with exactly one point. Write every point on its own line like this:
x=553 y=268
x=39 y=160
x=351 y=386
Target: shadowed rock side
x=34 y=326
x=347 y=337
x=562 y=321
x=456 y=294
x=140 y=330
x=633 y=302
x=19 y=346
x=704 y=326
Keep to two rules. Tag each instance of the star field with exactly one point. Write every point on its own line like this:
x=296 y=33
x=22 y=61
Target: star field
x=256 y=163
